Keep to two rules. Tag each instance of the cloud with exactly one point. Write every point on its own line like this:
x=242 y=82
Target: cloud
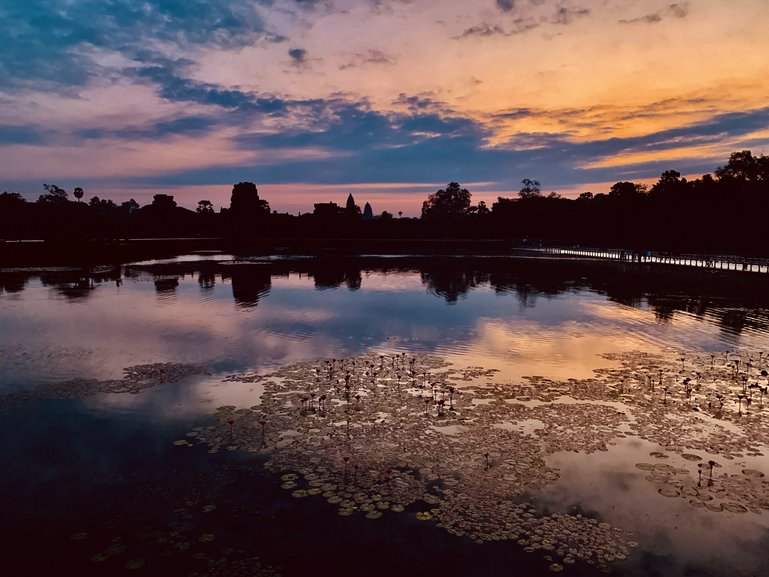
x=695 y=148
x=267 y=89
x=177 y=88
x=54 y=42
x=180 y=126
x=675 y=10
x=371 y=56
x=519 y=26
x=483 y=29
x=421 y=104
x=21 y=134
x=339 y=126
x=566 y=15
x=679 y=10
x=298 y=55
x=563 y=15
x=347 y=141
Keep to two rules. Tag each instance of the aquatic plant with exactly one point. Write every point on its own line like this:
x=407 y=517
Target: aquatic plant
x=396 y=451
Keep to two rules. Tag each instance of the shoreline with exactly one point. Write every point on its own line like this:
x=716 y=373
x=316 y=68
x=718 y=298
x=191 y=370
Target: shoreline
x=38 y=254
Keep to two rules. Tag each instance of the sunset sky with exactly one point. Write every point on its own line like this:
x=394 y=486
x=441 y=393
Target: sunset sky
x=387 y=99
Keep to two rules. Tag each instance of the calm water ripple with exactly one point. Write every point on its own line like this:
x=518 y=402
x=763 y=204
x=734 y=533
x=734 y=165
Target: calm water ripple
x=234 y=314
x=242 y=314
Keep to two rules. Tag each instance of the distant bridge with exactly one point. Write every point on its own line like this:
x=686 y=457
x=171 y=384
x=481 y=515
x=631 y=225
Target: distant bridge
x=713 y=262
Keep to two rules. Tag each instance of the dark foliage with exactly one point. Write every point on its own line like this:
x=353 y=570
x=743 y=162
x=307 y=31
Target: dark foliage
x=722 y=212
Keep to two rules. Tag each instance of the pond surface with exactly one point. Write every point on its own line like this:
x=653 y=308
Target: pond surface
x=96 y=473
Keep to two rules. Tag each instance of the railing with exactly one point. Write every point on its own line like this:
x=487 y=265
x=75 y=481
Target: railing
x=716 y=262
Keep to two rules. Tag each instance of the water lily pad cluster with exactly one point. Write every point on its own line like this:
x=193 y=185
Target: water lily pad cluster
x=573 y=538
x=709 y=409
x=393 y=433
x=704 y=486
x=136 y=379
x=697 y=401
x=383 y=434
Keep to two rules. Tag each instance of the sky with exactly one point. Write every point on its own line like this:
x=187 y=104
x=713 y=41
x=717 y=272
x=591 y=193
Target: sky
x=389 y=100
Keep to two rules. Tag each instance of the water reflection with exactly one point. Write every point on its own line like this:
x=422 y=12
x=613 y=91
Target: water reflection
x=523 y=317
x=528 y=316
x=451 y=284
x=332 y=276
x=12 y=283
x=206 y=280
x=249 y=283
x=451 y=280
x=165 y=286
x=608 y=484
x=735 y=303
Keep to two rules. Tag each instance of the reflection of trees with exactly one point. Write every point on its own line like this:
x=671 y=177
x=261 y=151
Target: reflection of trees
x=12 y=283
x=75 y=285
x=249 y=283
x=663 y=313
x=664 y=291
x=527 y=281
x=207 y=280
x=331 y=274
x=165 y=286
x=733 y=320
x=527 y=297
x=736 y=302
x=450 y=282
x=72 y=286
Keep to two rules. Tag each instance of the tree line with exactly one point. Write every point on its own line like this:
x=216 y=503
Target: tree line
x=737 y=303
x=723 y=211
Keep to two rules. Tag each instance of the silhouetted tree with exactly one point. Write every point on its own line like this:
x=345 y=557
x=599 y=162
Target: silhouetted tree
x=102 y=206
x=744 y=167
x=449 y=202
x=676 y=215
x=53 y=195
x=130 y=206
x=503 y=217
x=10 y=200
x=530 y=189
x=626 y=190
x=205 y=207
x=481 y=210
x=670 y=183
x=503 y=205
x=14 y=221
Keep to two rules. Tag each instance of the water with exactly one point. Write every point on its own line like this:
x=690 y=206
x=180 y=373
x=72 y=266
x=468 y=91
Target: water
x=106 y=465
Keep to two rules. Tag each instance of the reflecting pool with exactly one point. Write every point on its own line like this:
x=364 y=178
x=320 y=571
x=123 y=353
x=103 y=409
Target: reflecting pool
x=481 y=416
